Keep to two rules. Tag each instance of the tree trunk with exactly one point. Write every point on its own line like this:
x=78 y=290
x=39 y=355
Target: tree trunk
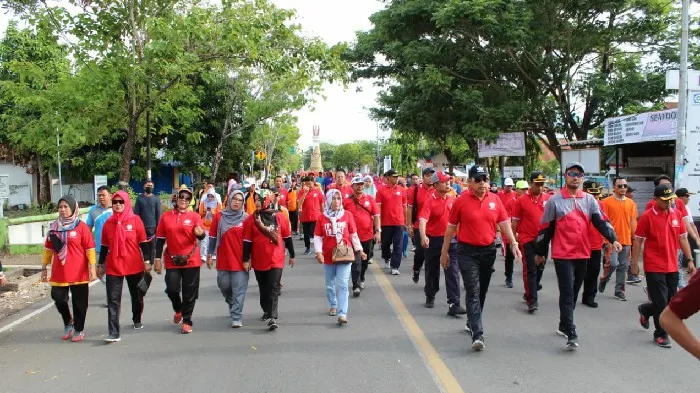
x=128 y=151
x=44 y=182
x=218 y=154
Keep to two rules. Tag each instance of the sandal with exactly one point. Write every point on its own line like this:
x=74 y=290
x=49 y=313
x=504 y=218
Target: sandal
x=333 y=312
x=342 y=320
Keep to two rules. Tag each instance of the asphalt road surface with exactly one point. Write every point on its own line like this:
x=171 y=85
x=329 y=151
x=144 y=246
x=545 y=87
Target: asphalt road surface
x=391 y=344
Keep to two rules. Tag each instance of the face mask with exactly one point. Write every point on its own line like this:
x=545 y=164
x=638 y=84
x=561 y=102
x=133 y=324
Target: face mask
x=148 y=189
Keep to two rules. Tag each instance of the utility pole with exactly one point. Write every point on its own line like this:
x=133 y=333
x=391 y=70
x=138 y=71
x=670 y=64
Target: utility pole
x=148 y=136
x=58 y=158
x=682 y=94
x=378 y=162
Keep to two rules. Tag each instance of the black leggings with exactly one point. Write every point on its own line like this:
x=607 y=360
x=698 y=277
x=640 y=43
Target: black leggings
x=79 y=298
x=114 y=300
x=294 y=220
x=269 y=285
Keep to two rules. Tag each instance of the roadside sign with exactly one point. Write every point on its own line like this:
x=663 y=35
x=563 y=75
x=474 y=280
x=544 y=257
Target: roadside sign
x=260 y=155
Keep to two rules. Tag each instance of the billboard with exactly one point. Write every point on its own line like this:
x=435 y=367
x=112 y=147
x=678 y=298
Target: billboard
x=642 y=127
x=508 y=144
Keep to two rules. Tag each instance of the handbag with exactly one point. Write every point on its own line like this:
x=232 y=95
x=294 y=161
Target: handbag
x=342 y=253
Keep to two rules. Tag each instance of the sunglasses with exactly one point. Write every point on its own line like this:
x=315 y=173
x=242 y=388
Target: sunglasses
x=186 y=198
x=574 y=174
x=622 y=186
x=481 y=179
x=117 y=202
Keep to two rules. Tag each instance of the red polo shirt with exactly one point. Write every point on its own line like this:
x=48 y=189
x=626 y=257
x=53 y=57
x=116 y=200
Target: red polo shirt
x=436 y=213
x=527 y=211
x=478 y=218
x=595 y=239
x=229 y=255
x=131 y=261
x=677 y=203
x=392 y=201
x=661 y=231
x=363 y=211
x=417 y=196
x=312 y=206
x=264 y=255
x=506 y=196
x=75 y=271
x=345 y=190
x=178 y=231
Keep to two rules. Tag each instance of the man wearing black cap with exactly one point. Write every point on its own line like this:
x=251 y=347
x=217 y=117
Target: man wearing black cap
x=391 y=200
x=477 y=213
x=572 y=211
x=596 y=241
x=417 y=195
x=661 y=231
x=526 y=216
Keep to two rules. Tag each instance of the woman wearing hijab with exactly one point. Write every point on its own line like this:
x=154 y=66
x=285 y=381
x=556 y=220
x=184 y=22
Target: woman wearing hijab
x=226 y=242
x=370 y=189
x=208 y=208
x=336 y=226
x=125 y=253
x=70 y=249
x=266 y=233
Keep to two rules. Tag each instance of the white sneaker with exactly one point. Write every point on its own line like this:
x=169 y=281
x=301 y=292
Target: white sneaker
x=362 y=285
x=387 y=265
x=395 y=272
x=236 y=324
x=559 y=332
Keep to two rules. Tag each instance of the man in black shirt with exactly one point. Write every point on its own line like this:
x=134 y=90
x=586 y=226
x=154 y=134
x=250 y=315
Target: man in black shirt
x=148 y=208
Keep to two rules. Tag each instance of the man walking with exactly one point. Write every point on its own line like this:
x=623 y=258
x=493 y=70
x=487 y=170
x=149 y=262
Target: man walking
x=391 y=200
x=590 y=281
x=148 y=208
x=365 y=211
x=341 y=185
x=417 y=195
x=283 y=199
x=310 y=205
x=104 y=203
x=520 y=188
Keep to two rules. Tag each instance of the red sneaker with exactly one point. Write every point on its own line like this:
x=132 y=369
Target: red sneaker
x=186 y=329
x=177 y=318
x=78 y=336
x=67 y=332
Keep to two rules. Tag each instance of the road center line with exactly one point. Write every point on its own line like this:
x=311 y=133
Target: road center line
x=442 y=375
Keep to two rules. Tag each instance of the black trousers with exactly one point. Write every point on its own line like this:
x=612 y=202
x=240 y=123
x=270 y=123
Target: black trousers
x=294 y=220
x=476 y=266
x=510 y=259
x=308 y=228
x=151 y=234
x=661 y=287
x=432 y=270
x=359 y=268
x=532 y=274
x=114 y=300
x=187 y=280
x=392 y=244
x=79 y=299
x=590 y=282
x=419 y=255
x=570 y=275
x=269 y=285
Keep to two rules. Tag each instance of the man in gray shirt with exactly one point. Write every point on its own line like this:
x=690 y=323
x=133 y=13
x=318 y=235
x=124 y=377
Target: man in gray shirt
x=148 y=208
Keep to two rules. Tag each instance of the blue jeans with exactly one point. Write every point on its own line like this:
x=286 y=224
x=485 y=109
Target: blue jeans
x=233 y=286
x=405 y=241
x=338 y=275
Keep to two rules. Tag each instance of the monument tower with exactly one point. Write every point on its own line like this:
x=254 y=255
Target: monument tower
x=316 y=152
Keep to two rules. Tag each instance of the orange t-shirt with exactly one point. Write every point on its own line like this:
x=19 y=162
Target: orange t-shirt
x=292 y=200
x=621 y=213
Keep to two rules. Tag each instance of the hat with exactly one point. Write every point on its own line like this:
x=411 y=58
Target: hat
x=428 y=171
x=681 y=192
x=357 y=180
x=664 y=192
x=521 y=185
x=183 y=189
x=391 y=173
x=574 y=165
x=477 y=170
x=508 y=182
x=592 y=187
x=440 y=177
x=537 y=177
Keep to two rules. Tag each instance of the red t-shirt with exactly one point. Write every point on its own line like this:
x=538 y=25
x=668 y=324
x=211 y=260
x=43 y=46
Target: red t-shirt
x=392 y=201
x=436 y=212
x=131 y=260
x=264 y=255
x=478 y=218
x=421 y=196
x=677 y=203
x=527 y=210
x=283 y=198
x=506 y=196
x=661 y=232
x=312 y=206
x=346 y=226
x=346 y=190
x=364 y=219
x=229 y=255
x=75 y=271
x=595 y=239
x=178 y=231
x=685 y=302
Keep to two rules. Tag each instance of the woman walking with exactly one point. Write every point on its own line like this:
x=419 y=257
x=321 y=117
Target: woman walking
x=125 y=253
x=70 y=249
x=226 y=242
x=266 y=233
x=335 y=236
x=208 y=208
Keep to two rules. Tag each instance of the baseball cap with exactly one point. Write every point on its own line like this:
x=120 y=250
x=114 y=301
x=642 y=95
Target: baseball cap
x=508 y=182
x=538 y=177
x=592 y=187
x=477 y=170
x=521 y=185
x=681 y=192
x=391 y=173
x=664 y=192
x=357 y=180
x=427 y=171
x=574 y=165
x=440 y=177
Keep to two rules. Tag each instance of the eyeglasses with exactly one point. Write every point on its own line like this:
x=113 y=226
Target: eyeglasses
x=117 y=202
x=574 y=174
x=186 y=198
x=622 y=186
x=239 y=200
x=481 y=179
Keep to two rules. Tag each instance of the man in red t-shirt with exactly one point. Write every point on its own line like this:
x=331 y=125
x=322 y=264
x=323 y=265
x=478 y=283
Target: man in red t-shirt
x=366 y=213
x=661 y=231
x=341 y=185
x=596 y=241
x=283 y=193
x=392 y=201
x=311 y=207
x=507 y=192
x=416 y=197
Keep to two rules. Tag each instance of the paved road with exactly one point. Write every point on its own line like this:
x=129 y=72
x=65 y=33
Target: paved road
x=391 y=344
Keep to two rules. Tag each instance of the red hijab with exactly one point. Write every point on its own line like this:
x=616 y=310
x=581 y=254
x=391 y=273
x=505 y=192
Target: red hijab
x=120 y=219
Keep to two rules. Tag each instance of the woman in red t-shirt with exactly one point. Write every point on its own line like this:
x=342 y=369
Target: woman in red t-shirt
x=266 y=233
x=333 y=227
x=226 y=242
x=70 y=249
x=123 y=254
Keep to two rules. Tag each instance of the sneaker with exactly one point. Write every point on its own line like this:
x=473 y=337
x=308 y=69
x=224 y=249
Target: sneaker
x=413 y=249
x=138 y=325
x=186 y=328
x=663 y=342
x=478 y=344
x=572 y=343
x=509 y=283
x=67 y=332
x=525 y=298
x=265 y=317
x=356 y=292
x=467 y=328
x=78 y=336
x=405 y=254
x=272 y=324
x=559 y=332
x=590 y=303
x=177 y=318
x=236 y=324
x=416 y=276
x=620 y=296
x=539 y=287
x=387 y=264
x=601 y=286
x=455 y=310
x=342 y=320
x=395 y=272
x=362 y=285
x=112 y=338
x=532 y=307
x=643 y=320
x=307 y=251
x=429 y=301
x=332 y=312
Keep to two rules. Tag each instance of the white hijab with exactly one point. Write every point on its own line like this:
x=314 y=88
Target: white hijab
x=334 y=215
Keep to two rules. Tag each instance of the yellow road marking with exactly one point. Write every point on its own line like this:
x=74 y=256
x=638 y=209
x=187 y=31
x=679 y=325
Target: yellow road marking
x=441 y=373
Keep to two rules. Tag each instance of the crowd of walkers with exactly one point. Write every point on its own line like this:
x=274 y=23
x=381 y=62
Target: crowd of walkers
x=455 y=227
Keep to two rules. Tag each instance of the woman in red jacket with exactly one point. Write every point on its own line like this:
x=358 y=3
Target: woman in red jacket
x=266 y=233
x=123 y=254
x=70 y=249
x=226 y=242
x=334 y=227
